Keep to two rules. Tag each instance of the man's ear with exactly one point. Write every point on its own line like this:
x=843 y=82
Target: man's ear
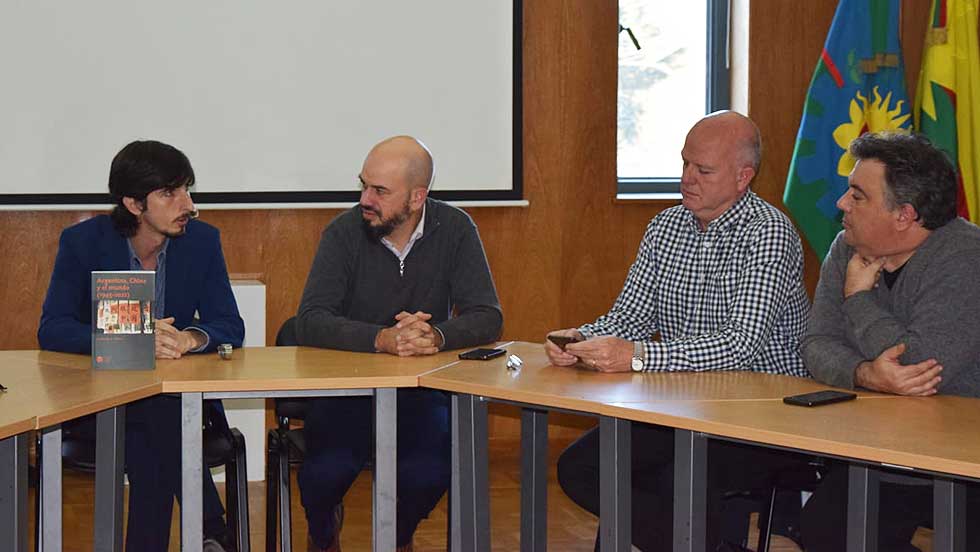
x=906 y=216
x=743 y=177
x=134 y=206
x=417 y=198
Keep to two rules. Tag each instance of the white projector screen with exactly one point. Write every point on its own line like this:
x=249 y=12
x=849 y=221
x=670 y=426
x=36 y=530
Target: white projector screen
x=273 y=102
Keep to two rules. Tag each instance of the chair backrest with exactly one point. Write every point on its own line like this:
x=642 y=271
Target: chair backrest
x=287 y=334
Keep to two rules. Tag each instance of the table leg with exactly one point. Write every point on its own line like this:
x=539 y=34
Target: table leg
x=534 y=480
x=862 y=509
x=109 y=461
x=13 y=493
x=192 y=472
x=470 y=501
x=51 y=489
x=949 y=515
x=615 y=488
x=690 y=490
x=385 y=468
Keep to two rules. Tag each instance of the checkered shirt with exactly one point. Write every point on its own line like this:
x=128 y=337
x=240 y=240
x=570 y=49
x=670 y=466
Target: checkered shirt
x=730 y=297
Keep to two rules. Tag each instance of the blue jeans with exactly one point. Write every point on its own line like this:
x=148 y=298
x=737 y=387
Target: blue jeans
x=339 y=434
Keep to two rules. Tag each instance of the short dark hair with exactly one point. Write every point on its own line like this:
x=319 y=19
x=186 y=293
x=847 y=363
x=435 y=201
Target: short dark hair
x=140 y=168
x=916 y=172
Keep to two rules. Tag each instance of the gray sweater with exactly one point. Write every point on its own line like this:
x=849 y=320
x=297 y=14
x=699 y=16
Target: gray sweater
x=933 y=307
x=355 y=288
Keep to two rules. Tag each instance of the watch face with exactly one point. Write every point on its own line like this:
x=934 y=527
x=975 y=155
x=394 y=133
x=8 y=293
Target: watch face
x=637 y=364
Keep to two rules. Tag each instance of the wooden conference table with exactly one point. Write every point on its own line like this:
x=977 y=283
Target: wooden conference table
x=293 y=372
x=52 y=388
x=47 y=389
x=934 y=435
x=929 y=436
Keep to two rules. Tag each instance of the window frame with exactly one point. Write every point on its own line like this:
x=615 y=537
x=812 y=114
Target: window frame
x=717 y=97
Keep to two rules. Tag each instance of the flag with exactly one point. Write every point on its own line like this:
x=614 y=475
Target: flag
x=857 y=87
x=947 y=100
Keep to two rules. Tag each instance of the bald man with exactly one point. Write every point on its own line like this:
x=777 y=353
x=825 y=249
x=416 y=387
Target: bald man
x=716 y=285
x=404 y=274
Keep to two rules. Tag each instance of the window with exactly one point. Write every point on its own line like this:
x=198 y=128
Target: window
x=679 y=73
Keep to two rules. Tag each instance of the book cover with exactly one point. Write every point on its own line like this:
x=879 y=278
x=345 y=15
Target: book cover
x=122 y=320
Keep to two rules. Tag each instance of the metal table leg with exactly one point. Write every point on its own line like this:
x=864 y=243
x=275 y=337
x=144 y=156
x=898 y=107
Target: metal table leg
x=862 y=509
x=470 y=503
x=690 y=490
x=534 y=480
x=385 y=468
x=109 y=460
x=51 y=489
x=13 y=493
x=192 y=472
x=949 y=515
x=615 y=492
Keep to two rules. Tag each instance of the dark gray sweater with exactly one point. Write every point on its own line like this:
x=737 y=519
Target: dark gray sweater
x=933 y=307
x=354 y=288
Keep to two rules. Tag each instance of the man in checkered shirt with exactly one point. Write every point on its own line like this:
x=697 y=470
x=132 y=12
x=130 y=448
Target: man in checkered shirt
x=719 y=278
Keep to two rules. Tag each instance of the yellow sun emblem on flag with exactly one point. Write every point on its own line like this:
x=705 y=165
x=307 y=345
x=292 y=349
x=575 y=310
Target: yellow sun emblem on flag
x=867 y=116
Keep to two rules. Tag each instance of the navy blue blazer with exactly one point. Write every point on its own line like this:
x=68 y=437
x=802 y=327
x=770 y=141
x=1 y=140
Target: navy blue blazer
x=197 y=280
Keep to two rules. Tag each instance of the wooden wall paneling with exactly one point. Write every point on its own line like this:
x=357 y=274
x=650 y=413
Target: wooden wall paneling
x=277 y=243
x=30 y=240
x=785 y=40
x=562 y=260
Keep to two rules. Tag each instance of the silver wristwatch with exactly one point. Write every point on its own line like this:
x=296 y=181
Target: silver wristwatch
x=639 y=356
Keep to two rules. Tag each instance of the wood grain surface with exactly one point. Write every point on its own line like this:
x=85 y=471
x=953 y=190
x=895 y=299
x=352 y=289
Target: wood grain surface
x=55 y=387
x=586 y=390
x=294 y=368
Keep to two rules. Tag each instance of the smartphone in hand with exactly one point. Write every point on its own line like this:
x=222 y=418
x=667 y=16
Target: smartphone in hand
x=563 y=340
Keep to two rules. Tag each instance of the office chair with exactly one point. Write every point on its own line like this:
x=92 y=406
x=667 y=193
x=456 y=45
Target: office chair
x=781 y=503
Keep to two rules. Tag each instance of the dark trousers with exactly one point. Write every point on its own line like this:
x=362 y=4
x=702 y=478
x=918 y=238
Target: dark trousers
x=901 y=509
x=731 y=467
x=339 y=433
x=153 y=466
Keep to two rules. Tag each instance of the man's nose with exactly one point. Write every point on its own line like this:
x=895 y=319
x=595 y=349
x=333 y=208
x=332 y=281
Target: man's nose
x=188 y=202
x=686 y=174
x=366 y=197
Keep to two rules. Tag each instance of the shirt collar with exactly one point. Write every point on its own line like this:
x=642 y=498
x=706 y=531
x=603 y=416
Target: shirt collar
x=416 y=235
x=737 y=211
x=134 y=261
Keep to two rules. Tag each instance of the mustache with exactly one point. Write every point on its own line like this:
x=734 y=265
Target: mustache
x=190 y=215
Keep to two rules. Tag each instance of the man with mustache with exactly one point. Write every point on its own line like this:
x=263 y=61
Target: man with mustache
x=151 y=227
x=716 y=285
x=897 y=310
x=404 y=274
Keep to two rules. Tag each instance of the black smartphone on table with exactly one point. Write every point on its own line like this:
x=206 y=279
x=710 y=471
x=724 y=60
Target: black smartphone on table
x=482 y=354
x=818 y=398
